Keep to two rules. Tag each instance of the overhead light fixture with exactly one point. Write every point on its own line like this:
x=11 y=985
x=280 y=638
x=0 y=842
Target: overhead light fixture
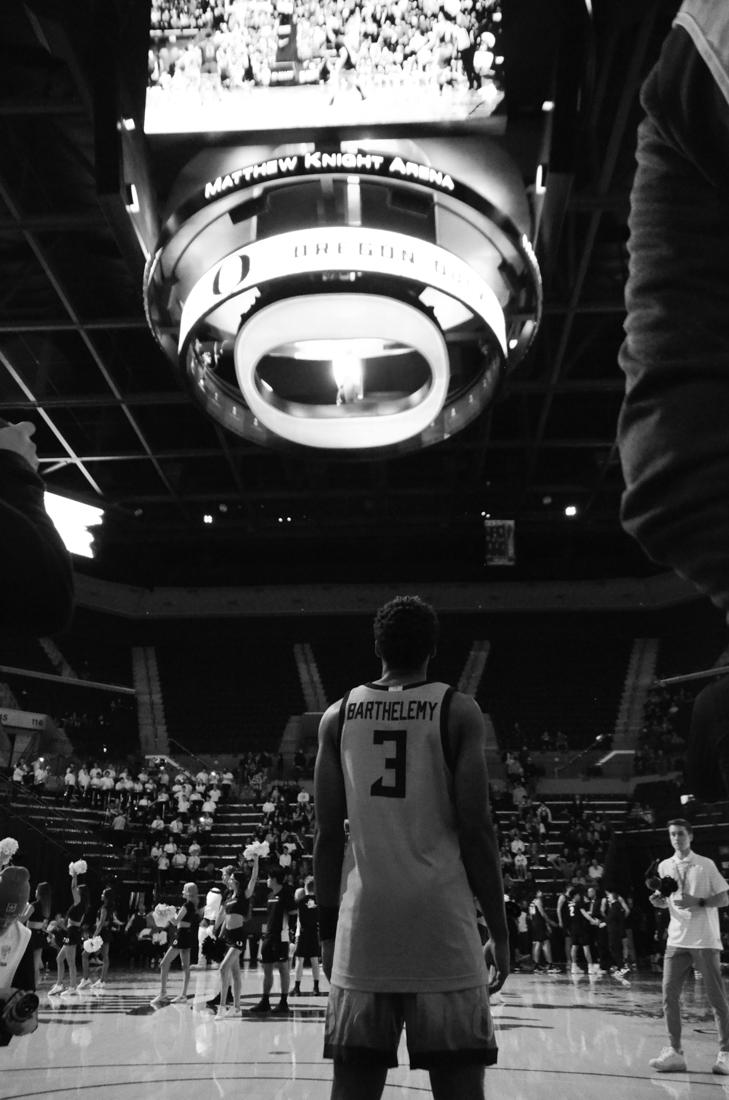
x=570 y=511
x=72 y=520
x=348 y=376
x=224 y=298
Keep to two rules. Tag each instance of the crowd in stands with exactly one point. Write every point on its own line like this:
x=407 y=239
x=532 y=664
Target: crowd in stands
x=164 y=813
x=104 y=718
x=662 y=739
x=388 y=43
x=160 y=817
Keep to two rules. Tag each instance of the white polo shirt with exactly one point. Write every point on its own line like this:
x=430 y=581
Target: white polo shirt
x=695 y=927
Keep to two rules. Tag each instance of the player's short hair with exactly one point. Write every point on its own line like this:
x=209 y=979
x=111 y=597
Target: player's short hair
x=277 y=872
x=682 y=822
x=406 y=632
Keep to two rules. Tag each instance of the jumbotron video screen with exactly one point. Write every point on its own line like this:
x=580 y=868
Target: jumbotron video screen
x=282 y=65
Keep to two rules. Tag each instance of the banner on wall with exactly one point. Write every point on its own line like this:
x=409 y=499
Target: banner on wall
x=23 y=719
x=499 y=540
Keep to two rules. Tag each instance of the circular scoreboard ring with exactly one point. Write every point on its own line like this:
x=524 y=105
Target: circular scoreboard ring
x=221 y=311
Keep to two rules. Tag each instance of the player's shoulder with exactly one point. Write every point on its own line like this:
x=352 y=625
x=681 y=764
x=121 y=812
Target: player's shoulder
x=464 y=710
x=330 y=721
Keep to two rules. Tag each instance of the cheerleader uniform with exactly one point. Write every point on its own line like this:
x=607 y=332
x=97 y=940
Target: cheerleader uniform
x=37 y=928
x=74 y=918
x=105 y=929
x=236 y=937
x=185 y=938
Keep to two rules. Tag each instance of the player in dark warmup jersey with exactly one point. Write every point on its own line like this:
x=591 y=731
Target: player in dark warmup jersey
x=403 y=761
x=275 y=944
x=307 y=935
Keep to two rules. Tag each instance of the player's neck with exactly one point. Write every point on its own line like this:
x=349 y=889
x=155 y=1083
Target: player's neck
x=396 y=677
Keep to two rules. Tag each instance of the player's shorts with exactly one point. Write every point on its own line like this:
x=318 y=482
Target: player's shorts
x=442 y=1029
x=274 y=950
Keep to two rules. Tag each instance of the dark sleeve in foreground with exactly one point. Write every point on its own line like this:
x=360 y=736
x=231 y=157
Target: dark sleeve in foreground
x=36 y=575
x=25 y=971
x=707 y=756
x=673 y=429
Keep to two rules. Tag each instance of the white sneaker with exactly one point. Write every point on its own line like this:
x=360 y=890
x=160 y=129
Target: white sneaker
x=99 y=985
x=70 y=992
x=669 y=1061
x=57 y=988
x=576 y=969
x=721 y=1065
x=84 y=983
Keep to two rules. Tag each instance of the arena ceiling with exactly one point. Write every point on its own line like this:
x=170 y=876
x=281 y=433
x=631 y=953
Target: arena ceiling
x=116 y=427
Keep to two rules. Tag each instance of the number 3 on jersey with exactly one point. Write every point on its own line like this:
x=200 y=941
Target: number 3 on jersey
x=395 y=785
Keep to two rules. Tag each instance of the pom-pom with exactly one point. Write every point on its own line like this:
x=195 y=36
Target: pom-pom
x=8 y=848
x=159 y=938
x=285 y=860
x=268 y=807
x=79 y=867
x=260 y=848
x=93 y=944
x=303 y=797
x=163 y=914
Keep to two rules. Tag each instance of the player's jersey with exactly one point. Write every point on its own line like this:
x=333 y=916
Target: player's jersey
x=407 y=920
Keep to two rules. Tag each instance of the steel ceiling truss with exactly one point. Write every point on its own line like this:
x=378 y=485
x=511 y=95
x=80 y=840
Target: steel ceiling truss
x=502 y=464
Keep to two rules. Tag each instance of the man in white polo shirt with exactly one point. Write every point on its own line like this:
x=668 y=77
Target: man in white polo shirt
x=693 y=943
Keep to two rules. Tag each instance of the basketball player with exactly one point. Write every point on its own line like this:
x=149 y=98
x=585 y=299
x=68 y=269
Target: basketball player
x=402 y=761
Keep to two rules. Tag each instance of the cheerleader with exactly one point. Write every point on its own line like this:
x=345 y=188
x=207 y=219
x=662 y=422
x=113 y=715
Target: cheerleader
x=186 y=923
x=71 y=939
x=39 y=916
x=234 y=915
x=106 y=921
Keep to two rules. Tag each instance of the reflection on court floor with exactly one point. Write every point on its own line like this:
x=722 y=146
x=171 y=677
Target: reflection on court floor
x=571 y=1037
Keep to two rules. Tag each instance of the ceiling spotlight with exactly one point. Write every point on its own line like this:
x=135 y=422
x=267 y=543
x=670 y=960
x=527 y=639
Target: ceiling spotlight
x=570 y=510
x=546 y=500
x=207 y=518
x=348 y=375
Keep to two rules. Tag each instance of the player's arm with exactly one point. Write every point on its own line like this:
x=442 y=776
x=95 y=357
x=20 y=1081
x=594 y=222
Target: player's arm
x=331 y=812
x=250 y=888
x=479 y=847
